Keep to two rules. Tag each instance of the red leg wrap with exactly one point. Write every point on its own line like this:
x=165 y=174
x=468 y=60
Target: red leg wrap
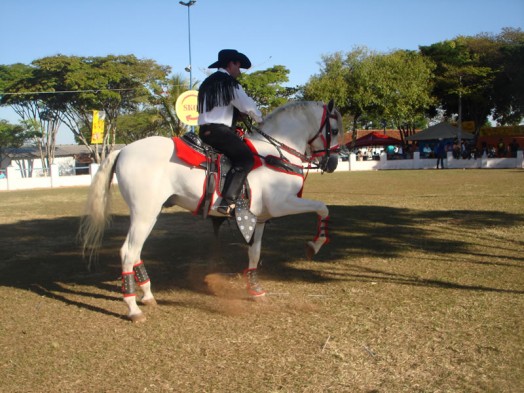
x=322 y=229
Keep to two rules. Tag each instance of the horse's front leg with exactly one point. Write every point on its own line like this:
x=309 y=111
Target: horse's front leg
x=295 y=205
x=254 y=288
x=312 y=247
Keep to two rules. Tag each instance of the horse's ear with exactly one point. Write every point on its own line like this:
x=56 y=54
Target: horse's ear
x=331 y=104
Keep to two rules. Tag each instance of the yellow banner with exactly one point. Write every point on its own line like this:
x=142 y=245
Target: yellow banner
x=97 y=132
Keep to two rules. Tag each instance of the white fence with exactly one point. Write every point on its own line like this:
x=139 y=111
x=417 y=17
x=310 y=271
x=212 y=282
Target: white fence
x=430 y=163
x=15 y=181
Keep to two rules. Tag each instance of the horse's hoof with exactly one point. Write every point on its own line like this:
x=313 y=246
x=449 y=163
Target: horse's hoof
x=257 y=292
x=259 y=298
x=310 y=251
x=149 y=302
x=137 y=318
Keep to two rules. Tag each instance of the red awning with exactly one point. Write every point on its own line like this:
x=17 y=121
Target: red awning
x=375 y=139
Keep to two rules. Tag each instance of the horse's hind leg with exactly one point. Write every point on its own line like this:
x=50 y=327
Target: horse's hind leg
x=142 y=278
x=133 y=269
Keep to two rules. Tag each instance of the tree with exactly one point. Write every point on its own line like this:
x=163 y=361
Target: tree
x=164 y=97
x=142 y=124
x=334 y=82
x=26 y=90
x=400 y=89
x=358 y=79
x=67 y=89
x=390 y=87
x=330 y=83
x=485 y=72
x=115 y=84
x=509 y=82
x=460 y=74
x=12 y=135
x=265 y=87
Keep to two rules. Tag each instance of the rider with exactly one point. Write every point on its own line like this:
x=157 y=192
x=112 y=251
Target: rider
x=220 y=100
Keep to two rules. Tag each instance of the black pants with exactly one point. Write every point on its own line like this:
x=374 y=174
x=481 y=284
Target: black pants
x=225 y=140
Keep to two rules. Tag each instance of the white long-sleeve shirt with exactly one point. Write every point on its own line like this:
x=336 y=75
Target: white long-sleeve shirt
x=224 y=114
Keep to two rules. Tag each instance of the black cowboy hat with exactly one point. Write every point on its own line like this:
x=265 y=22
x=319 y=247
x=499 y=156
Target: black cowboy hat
x=227 y=55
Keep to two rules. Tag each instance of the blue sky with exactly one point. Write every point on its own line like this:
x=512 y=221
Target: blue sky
x=293 y=33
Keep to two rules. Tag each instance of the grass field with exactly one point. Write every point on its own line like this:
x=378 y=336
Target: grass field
x=420 y=290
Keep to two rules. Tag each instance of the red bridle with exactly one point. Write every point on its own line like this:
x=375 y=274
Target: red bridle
x=326 y=140
x=327 y=162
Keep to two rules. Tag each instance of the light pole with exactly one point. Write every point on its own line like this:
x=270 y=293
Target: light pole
x=459 y=134
x=189 y=68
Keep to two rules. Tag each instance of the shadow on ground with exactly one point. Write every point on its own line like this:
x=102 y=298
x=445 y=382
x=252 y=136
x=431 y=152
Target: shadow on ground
x=42 y=255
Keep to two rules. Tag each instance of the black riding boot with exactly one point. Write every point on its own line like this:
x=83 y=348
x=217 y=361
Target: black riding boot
x=235 y=179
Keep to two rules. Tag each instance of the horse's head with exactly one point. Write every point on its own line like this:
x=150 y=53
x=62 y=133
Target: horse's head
x=309 y=127
x=325 y=144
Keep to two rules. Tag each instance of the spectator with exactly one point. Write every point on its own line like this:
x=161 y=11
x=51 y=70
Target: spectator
x=440 y=152
x=514 y=147
x=456 y=150
x=426 y=151
x=492 y=152
x=484 y=149
x=464 y=150
x=390 y=151
x=473 y=151
x=501 y=148
x=409 y=151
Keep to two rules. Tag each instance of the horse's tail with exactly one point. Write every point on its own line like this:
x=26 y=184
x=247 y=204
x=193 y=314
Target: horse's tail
x=96 y=217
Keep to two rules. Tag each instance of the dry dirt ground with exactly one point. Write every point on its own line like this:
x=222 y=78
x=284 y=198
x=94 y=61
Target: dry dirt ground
x=420 y=290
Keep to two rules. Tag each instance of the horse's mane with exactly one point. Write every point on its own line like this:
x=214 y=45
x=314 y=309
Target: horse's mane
x=291 y=106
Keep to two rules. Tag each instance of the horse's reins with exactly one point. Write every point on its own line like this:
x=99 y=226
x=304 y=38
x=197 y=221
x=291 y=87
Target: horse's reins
x=304 y=158
x=278 y=145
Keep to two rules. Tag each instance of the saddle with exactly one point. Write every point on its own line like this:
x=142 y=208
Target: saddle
x=193 y=151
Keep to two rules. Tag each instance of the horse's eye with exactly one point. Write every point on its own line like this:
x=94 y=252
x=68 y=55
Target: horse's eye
x=334 y=131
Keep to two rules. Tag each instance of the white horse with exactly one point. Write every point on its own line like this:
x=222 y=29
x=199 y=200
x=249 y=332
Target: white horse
x=289 y=132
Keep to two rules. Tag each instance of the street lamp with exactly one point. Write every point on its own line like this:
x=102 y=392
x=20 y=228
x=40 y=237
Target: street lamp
x=189 y=68
x=459 y=134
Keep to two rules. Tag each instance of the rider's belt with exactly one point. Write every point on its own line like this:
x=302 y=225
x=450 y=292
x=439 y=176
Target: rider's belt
x=209 y=125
